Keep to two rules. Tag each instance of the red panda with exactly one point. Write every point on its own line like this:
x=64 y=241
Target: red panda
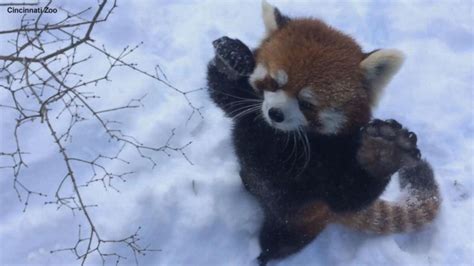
x=312 y=86
x=310 y=61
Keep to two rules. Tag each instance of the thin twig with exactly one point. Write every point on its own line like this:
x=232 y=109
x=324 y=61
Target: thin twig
x=45 y=88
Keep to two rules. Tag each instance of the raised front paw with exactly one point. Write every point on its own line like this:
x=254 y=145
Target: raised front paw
x=233 y=57
x=385 y=147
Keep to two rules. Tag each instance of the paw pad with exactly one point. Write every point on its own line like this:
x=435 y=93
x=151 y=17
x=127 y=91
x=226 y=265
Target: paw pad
x=393 y=132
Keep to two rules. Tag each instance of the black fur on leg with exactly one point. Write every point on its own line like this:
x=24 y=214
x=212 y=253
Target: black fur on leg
x=419 y=175
x=226 y=93
x=279 y=239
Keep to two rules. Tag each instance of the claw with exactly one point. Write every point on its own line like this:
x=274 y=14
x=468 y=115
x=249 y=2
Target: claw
x=372 y=128
x=412 y=137
x=394 y=123
x=416 y=153
x=376 y=122
x=404 y=133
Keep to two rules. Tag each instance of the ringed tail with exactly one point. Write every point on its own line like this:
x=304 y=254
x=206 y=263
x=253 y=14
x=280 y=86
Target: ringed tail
x=418 y=209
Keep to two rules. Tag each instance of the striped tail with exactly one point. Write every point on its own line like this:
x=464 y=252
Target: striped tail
x=420 y=207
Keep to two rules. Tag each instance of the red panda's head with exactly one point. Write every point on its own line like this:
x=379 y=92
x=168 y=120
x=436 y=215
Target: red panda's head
x=316 y=77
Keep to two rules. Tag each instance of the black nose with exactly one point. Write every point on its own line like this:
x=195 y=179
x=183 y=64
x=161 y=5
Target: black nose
x=276 y=115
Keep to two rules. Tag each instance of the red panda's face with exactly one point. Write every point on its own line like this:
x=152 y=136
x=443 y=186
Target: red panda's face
x=314 y=77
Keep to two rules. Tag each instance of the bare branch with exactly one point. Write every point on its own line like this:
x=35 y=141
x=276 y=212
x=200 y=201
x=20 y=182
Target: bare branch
x=45 y=88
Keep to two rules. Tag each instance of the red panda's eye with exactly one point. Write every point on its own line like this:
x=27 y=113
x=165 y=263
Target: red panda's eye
x=272 y=85
x=267 y=84
x=304 y=105
x=259 y=85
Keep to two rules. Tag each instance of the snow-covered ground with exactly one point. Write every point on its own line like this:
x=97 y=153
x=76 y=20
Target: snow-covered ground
x=200 y=214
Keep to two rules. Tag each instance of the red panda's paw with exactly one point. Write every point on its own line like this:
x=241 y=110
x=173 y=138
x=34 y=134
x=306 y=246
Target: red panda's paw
x=233 y=57
x=386 y=146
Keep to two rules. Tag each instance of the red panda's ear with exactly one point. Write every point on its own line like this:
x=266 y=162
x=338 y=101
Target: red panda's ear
x=378 y=68
x=272 y=17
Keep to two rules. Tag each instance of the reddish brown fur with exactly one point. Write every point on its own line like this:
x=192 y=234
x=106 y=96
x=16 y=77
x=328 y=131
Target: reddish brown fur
x=312 y=219
x=316 y=55
x=267 y=84
x=384 y=217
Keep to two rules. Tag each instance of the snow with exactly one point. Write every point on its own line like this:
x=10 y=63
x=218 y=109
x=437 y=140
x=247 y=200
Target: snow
x=214 y=221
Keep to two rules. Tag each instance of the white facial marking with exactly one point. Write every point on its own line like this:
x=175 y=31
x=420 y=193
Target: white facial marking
x=307 y=94
x=280 y=77
x=294 y=118
x=332 y=121
x=258 y=74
